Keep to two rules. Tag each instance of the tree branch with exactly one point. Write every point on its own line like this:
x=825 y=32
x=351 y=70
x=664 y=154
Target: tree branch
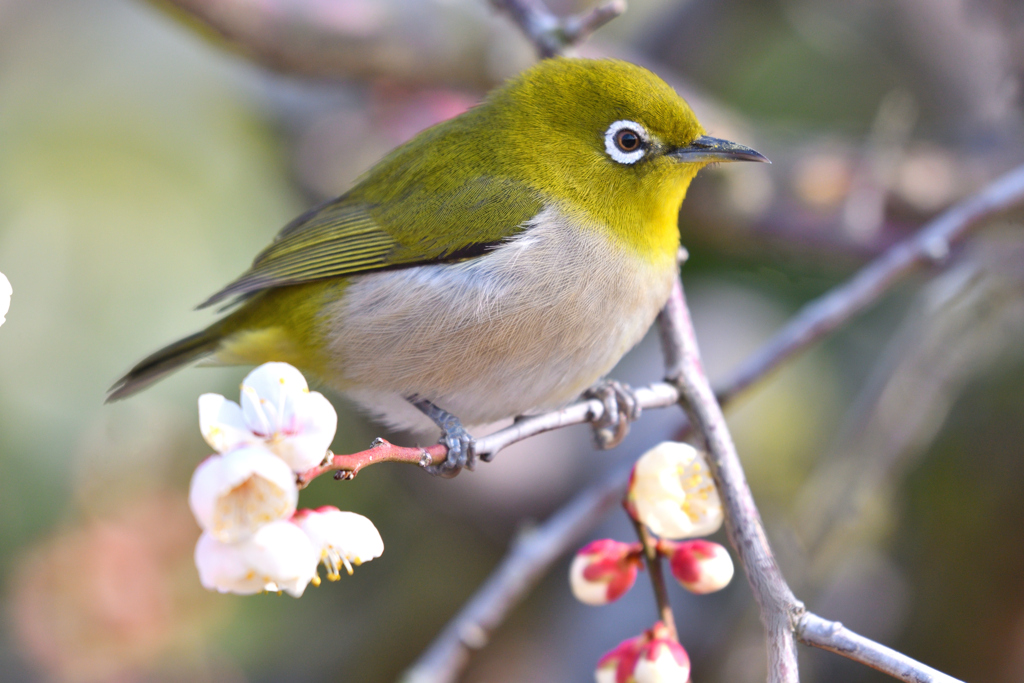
x=784 y=617
x=404 y=41
x=552 y=35
x=778 y=605
x=652 y=558
x=931 y=244
x=832 y=636
x=348 y=466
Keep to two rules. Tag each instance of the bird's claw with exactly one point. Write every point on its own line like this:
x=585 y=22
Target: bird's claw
x=461 y=453
x=621 y=408
x=460 y=443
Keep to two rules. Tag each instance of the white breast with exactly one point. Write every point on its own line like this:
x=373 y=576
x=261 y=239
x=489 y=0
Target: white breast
x=528 y=326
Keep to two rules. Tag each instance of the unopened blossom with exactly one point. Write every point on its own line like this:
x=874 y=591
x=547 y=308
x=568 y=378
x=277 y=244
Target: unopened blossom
x=651 y=657
x=234 y=494
x=671 y=492
x=278 y=557
x=342 y=538
x=278 y=411
x=700 y=566
x=604 y=570
x=5 y=297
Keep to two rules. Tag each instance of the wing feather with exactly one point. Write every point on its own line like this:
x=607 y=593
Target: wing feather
x=415 y=207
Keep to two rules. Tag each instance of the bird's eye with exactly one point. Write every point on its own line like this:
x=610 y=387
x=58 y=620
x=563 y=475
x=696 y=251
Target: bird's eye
x=626 y=142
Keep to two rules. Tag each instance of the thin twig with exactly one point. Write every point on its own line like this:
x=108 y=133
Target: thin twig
x=410 y=42
x=552 y=35
x=832 y=636
x=784 y=616
x=348 y=466
x=931 y=244
x=657 y=395
x=655 y=570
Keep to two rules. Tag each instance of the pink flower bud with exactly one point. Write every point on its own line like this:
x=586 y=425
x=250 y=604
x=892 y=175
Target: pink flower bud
x=604 y=570
x=651 y=657
x=700 y=566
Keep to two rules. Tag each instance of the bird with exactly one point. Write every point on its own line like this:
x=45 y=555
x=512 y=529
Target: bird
x=498 y=264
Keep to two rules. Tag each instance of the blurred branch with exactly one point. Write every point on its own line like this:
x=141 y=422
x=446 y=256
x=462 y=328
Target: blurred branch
x=526 y=563
x=931 y=244
x=408 y=41
x=552 y=35
x=962 y=322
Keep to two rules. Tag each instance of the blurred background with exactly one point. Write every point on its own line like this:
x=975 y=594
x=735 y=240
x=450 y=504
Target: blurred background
x=148 y=151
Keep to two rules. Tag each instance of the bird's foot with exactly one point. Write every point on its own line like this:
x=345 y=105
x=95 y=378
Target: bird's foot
x=621 y=408
x=460 y=443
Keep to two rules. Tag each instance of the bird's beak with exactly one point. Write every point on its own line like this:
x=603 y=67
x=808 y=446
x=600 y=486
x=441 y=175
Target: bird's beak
x=708 y=149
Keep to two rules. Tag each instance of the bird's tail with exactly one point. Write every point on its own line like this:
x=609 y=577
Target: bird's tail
x=165 y=361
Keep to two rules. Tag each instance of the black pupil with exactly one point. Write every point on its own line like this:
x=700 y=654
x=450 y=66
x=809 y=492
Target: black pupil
x=628 y=140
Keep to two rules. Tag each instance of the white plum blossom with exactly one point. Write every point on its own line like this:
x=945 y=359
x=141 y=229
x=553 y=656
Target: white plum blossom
x=234 y=494
x=5 y=297
x=245 y=497
x=342 y=538
x=278 y=411
x=701 y=566
x=672 y=493
x=278 y=557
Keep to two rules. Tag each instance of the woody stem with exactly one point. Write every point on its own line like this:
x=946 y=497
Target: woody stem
x=654 y=569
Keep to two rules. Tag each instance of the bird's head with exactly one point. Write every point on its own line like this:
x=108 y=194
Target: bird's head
x=606 y=139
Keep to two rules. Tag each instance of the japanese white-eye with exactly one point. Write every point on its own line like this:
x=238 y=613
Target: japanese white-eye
x=498 y=263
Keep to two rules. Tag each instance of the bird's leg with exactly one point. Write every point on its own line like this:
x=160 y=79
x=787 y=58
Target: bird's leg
x=620 y=409
x=460 y=443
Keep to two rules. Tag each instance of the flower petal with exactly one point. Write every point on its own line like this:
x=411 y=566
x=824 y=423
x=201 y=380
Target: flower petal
x=279 y=556
x=5 y=297
x=222 y=424
x=223 y=568
x=587 y=592
x=314 y=425
x=672 y=492
x=269 y=394
x=604 y=570
x=232 y=495
x=342 y=538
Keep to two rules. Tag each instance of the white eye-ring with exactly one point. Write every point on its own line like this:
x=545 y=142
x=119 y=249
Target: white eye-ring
x=626 y=141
